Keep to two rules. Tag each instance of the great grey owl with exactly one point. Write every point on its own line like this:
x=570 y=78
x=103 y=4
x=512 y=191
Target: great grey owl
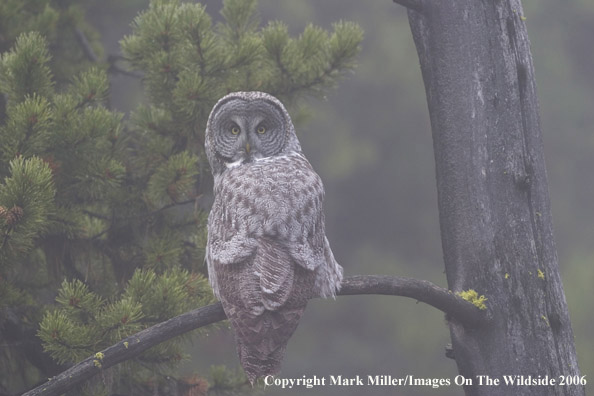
x=267 y=251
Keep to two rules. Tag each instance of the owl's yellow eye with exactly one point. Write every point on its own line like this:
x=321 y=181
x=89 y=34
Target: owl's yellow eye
x=235 y=130
x=261 y=130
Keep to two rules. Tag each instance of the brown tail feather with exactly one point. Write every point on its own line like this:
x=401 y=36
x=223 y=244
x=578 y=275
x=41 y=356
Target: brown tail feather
x=263 y=338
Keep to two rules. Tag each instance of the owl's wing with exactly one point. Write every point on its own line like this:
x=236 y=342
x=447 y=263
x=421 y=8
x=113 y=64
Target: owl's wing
x=238 y=247
x=306 y=237
x=315 y=255
x=226 y=244
x=273 y=266
x=309 y=252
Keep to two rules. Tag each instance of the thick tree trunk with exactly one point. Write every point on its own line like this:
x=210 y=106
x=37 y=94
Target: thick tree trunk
x=493 y=197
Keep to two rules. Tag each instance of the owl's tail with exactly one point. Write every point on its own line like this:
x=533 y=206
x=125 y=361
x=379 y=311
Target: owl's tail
x=262 y=339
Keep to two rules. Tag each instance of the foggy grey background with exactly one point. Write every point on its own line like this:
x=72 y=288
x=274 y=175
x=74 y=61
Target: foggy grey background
x=370 y=141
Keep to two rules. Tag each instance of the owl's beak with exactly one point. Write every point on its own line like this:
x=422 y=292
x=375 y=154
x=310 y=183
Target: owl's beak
x=247 y=148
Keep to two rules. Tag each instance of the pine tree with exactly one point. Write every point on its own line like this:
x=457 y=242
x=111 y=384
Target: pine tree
x=106 y=213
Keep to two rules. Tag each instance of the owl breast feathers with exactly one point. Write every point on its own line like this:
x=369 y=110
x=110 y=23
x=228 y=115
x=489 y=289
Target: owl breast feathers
x=267 y=252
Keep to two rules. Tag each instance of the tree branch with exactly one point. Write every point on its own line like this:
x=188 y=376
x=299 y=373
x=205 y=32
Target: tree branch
x=410 y=4
x=421 y=290
x=85 y=45
x=114 y=68
x=92 y=56
x=134 y=345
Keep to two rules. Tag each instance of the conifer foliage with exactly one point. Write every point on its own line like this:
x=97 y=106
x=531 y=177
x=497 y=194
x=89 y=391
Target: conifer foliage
x=103 y=214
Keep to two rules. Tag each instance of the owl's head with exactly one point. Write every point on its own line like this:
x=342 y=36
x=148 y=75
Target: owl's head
x=247 y=126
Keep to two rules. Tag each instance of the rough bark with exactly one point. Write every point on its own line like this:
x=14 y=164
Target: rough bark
x=493 y=199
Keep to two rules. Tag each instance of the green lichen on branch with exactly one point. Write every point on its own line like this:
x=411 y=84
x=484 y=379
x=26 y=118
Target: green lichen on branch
x=98 y=358
x=472 y=296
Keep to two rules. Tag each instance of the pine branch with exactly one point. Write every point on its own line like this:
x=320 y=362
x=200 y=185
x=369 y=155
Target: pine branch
x=96 y=215
x=132 y=346
x=143 y=215
x=21 y=336
x=174 y=204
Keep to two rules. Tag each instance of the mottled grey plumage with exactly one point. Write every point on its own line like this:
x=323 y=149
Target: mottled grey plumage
x=267 y=251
